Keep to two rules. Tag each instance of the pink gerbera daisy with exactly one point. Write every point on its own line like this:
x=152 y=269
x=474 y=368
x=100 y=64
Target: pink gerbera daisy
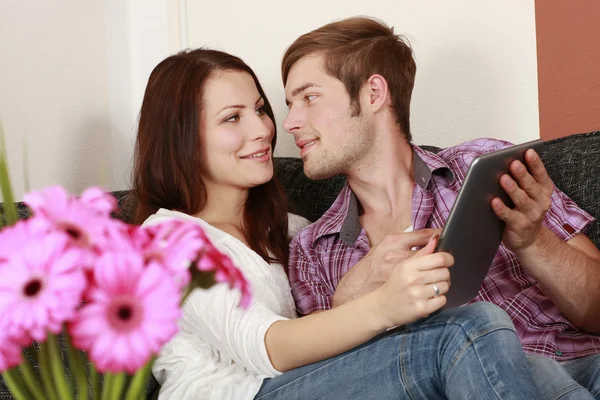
x=82 y=219
x=16 y=236
x=174 y=244
x=132 y=311
x=100 y=201
x=10 y=350
x=40 y=286
x=225 y=271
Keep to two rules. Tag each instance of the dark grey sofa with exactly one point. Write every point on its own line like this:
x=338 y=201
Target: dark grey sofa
x=573 y=163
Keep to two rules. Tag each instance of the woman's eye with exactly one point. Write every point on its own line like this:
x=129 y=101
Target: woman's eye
x=260 y=110
x=233 y=118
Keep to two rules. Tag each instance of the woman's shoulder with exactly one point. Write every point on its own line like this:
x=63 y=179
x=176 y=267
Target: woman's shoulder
x=163 y=215
x=295 y=224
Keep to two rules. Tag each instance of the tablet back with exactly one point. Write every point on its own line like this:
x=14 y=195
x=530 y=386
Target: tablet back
x=473 y=232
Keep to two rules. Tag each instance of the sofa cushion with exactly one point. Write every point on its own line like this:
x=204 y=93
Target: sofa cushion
x=306 y=197
x=573 y=163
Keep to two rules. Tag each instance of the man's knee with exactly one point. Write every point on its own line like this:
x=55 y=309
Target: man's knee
x=554 y=380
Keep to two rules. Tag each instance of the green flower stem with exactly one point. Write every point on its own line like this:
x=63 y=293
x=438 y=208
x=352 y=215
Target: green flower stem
x=77 y=370
x=46 y=372
x=117 y=385
x=58 y=372
x=95 y=381
x=107 y=385
x=186 y=293
x=31 y=380
x=137 y=387
x=12 y=380
x=8 y=207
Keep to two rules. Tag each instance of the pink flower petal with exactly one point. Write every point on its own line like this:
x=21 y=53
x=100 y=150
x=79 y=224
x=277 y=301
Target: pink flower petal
x=45 y=305
x=39 y=201
x=99 y=200
x=121 y=276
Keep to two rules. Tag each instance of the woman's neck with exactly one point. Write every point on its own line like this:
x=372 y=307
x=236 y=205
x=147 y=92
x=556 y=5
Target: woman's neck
x=224 y=206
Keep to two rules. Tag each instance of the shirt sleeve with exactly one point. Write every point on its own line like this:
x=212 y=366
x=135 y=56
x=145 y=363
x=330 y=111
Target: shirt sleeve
x=565 y=218
x=213 y=322
x=214 y=326
x=309 y=289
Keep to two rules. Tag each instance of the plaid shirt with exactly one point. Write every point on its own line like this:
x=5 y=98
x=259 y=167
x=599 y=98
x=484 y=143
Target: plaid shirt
x=324 y=251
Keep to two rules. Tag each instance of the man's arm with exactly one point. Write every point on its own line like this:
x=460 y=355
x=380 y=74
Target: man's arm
x=374 y=269
x=569 y=273
x=354 y=283
x=311 y=293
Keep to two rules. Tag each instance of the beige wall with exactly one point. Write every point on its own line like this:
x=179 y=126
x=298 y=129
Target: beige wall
x=72 y=75
x=54 y=91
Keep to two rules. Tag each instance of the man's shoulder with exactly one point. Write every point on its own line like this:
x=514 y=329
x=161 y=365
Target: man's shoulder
x=463 y=154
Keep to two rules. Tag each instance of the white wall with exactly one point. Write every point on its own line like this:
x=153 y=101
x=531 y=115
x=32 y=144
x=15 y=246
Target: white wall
x=73 y=73
x=72 y=77
x=476 y=60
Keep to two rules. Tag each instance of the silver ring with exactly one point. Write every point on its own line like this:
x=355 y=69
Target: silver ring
x=436 y=289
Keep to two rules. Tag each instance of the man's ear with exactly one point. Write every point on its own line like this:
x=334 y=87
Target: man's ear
x=376 y=92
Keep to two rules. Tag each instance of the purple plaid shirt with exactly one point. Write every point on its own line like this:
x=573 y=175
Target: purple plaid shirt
x=324 y=251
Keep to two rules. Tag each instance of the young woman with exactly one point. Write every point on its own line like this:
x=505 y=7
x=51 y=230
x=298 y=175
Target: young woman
x=204 y=153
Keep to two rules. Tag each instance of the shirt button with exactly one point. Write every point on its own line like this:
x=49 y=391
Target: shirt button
x=558 y=353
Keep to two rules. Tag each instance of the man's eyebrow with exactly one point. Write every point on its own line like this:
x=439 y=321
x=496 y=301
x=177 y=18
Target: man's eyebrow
x=238 y=105
x=301 y=89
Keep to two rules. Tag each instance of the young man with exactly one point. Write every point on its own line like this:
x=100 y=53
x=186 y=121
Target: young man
x=348 y=87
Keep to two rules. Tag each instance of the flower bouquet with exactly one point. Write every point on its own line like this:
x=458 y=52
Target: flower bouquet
x=90 y=299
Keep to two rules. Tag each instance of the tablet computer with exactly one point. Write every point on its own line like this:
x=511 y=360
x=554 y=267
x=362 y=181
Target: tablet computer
x=473 y=232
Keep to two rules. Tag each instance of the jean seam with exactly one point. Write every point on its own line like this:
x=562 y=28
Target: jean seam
x=309 y=374
x=457 y=357
x=403 y=367
x=474 y=336
x=479 y=358
x=471 y=342
x=567 y=391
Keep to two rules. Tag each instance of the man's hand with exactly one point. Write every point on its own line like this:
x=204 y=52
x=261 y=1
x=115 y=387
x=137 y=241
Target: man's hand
x=530 y=191
x=374 y=269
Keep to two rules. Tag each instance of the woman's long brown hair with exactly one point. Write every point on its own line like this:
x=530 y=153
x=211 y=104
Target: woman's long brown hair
x=167 y=167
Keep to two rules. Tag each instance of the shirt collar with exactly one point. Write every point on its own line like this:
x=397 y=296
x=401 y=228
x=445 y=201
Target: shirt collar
x=342 y=217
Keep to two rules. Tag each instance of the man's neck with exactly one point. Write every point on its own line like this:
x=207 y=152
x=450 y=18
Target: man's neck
x=383 y=182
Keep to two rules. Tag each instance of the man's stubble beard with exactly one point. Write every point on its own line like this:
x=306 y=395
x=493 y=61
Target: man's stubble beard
x=331 y=162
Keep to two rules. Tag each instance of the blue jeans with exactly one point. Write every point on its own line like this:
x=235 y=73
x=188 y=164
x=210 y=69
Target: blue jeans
x=574 y=379
x=471 y=352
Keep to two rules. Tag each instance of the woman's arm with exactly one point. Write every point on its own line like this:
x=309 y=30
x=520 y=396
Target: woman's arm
x=315 y=337
x=404 y=298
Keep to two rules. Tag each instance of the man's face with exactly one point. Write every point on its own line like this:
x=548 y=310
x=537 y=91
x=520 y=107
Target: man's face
x=330 y=138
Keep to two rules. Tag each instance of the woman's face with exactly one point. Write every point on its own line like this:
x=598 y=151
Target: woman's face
x=235 y=132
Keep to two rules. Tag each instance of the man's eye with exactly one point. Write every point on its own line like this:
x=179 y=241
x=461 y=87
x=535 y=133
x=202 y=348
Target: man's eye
x=310 y=97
